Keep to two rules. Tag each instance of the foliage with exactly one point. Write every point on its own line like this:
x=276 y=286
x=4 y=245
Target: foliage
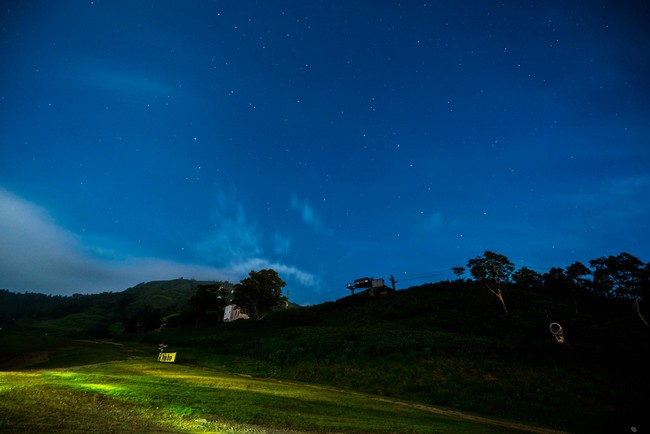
x=141 y=318
x=259 y=293
x=577 y=283
x=576 y=272
x=493 y=271
x=14 y=305
x=437 y=344
x=622 y=276
x=555 y=281
x=208 y=298
x=138 y=309
x=458 y=271
x=527 y=278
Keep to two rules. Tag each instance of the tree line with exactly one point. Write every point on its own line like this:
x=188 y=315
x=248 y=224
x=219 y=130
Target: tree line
x=132 y=312
x=623 y=276
x=256 y=296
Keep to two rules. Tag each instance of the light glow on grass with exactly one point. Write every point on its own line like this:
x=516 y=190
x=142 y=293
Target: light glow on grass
x=189 y=398
x=11 y=380
x=17 y=375
x=103 y=388
x=60 y=374
x=245 y=383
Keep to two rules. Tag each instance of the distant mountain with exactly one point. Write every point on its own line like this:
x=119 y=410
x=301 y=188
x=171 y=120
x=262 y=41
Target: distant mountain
x=108 y=314
x=169 y=296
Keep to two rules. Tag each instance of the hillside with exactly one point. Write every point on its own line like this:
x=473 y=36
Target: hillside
x=450 y=344
x=446 y=344
x=110 y=314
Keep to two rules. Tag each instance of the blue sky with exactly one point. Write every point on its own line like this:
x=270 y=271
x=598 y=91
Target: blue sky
x=329 y=140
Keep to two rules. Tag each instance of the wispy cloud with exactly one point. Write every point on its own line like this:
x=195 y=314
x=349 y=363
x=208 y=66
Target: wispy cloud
x=307 y=213
x=234 y=238
x=281 y=244
x=236 y=243
x=629 y=186
x=433 y=222
x=36 y=254
x=120 y=80
x=612 y=203
x=243 y=267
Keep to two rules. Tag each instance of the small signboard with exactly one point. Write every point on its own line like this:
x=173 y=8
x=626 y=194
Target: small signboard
x=167 y=357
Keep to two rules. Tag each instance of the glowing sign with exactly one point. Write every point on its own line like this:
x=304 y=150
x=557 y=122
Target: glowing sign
x=167 y=357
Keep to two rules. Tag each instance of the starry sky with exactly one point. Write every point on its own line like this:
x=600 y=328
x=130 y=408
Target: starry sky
x=328 y=140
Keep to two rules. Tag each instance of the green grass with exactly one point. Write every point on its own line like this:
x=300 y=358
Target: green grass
x=423 y=365
x=445 y=345
x=146 y=396
x=25 y=348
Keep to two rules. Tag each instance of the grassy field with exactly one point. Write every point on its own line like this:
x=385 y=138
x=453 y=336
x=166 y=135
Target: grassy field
x=441 y=346
x=142 y=395
x=387 y=364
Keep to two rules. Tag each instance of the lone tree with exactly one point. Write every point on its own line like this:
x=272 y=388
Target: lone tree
x=458 y=271
x=492 y=271
x=622 y=276
x=259 y=293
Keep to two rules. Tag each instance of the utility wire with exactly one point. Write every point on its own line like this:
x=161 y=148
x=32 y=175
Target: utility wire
x=445 y=272
x=423 y=275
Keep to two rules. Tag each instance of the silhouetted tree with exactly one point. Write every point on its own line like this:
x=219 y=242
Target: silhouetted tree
x=208 y=298
x=259 y=293
x=579 y=284
x=623 y=276
x=527 y=278
x=493 y=271
x=458 y=271
x=555 y=281
x=142 y=318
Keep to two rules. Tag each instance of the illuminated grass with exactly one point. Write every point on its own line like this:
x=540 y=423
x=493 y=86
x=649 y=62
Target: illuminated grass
x=137 y=396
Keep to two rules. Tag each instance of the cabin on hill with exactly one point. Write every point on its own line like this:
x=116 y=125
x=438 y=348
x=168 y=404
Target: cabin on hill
x=371 y=286
x=232 y=312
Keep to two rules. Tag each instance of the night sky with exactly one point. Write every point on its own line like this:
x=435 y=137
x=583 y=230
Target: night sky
x=329 y=140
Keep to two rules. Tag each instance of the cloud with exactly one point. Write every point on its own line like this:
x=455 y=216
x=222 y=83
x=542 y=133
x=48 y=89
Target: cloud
x=119 y=80
x=37 y=255
x=236 y=242
x=629 y=186
x=433 y=222
x=234 y=238
x=283 y=270
x=281 y=244
x=307 y=213
x=614 y=203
